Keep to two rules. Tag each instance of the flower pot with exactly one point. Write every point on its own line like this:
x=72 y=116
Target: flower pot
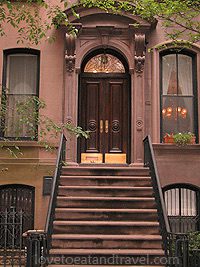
x=193 y=140
x=168 y=139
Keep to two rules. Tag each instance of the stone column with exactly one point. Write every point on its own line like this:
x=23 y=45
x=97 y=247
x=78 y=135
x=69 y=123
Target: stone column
x=138 y=100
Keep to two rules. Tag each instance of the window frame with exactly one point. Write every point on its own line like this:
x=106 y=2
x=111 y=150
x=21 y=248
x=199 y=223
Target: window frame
x=180 y=186
x=7 y=53
x=181 y=51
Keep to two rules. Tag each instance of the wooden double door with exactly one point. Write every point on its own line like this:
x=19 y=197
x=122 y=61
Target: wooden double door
x=104 y=112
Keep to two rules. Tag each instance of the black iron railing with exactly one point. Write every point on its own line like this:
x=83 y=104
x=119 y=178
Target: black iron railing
x=36 y=248
x=12 y=251
x=178 y=250
x=149 y=161
x=52 y=202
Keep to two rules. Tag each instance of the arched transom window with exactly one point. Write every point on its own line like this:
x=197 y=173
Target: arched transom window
x=105 y=63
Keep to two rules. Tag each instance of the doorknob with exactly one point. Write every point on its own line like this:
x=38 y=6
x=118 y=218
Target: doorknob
x=101 y=126
x=106 y=126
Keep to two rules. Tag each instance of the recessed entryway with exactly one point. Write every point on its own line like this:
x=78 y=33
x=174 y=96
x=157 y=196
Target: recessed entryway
x=104 y=103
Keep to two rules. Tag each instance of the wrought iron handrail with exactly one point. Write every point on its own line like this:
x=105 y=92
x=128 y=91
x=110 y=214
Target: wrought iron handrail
x=52 y=202
x=149 y=161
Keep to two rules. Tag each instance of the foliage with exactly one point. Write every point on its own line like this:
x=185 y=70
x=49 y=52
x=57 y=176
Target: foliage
x=182 y=139
x=179 y=18
x=194 y=240
x=36 y=125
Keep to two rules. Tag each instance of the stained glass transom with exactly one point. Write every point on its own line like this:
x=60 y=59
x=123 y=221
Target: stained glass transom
x=104 y=63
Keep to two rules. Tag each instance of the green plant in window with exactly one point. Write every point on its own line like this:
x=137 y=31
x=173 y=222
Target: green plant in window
x=182 y=139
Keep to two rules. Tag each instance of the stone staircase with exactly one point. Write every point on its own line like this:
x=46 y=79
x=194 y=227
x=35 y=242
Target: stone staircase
x=106 y=216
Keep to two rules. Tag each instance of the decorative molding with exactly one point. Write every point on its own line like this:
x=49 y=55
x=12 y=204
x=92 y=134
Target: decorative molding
x=139 y=53
x=92 y=126
x=69 y=120
x=70 y=55
x=139 y=124
x=115 y=126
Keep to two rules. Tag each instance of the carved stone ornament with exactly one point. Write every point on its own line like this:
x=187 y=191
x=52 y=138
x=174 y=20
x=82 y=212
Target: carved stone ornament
x=70 y=55
x=139 y=53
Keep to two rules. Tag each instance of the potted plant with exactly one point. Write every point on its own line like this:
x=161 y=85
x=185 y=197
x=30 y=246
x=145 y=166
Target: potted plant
x=181 y=139
x=168 y=138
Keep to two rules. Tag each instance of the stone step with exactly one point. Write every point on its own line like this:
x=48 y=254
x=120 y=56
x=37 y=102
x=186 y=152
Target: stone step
x=105 y=227
x=90 y=214
x=106 y=202
x=79 y=241
x=103 y=170
x=113 y=191
x=105 y=180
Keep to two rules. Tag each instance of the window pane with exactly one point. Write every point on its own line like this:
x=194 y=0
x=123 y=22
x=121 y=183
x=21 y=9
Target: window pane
x=104 y=63
x=17 y=122
x=185 y=74
x=177 y=114
x=21 y=85
x=172 y=202
x=169 y=75
x=22 y=74
x=188 y=202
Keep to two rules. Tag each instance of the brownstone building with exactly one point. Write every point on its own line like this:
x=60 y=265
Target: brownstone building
x=107 y=82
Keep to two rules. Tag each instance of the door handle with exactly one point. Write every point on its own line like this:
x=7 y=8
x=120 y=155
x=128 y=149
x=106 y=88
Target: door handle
x=106 y=126
x=101 y=126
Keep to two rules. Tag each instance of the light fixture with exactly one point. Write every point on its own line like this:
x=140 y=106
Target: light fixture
x=177 y=112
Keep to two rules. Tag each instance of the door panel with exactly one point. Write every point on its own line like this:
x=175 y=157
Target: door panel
x=90 y=112
x=115 y=116
x=104 y=102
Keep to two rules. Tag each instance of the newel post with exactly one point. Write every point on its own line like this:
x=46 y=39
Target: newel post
x=36 y=248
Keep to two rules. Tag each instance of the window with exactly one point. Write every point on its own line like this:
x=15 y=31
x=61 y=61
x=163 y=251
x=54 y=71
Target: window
x=182 y=203
x=15 y=198
x=178 y=93
x=106 y=63
x=20 y=86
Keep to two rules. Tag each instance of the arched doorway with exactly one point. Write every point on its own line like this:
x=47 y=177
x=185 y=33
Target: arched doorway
x=104 y=103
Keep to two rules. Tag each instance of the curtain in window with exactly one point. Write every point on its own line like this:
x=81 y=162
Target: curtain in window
x=185 y=74
x=181 y=205
x=177 y=94
x=21 y=86
x=169 y=67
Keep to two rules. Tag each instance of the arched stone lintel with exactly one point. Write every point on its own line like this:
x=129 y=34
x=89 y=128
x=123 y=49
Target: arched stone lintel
x=92 y=46
x=84 y=12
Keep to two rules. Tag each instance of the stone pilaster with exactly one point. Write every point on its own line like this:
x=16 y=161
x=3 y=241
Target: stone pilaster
x=138 y=98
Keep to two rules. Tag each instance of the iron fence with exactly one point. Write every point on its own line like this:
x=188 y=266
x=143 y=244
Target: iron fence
x=12 y=250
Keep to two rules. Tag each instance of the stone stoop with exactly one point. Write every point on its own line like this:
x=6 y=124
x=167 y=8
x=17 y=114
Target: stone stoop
x=106 y=216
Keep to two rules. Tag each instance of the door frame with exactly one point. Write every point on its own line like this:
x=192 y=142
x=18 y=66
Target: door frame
x=107 y=75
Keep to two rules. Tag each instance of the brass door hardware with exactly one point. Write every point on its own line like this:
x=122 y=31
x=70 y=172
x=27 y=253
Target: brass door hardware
x=106 y=126
x=101 y=126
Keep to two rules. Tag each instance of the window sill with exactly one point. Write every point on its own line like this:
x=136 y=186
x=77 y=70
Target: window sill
x=22 y=144
x=171 y=146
